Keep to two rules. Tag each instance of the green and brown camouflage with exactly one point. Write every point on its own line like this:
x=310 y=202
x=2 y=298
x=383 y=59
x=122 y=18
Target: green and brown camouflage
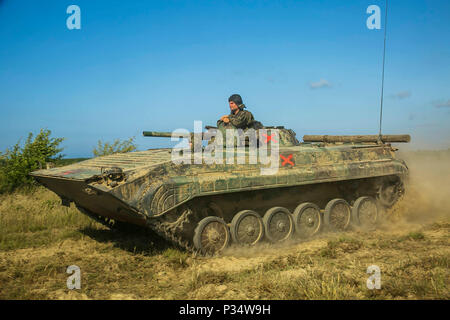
x=243 y=119
x=147 y=188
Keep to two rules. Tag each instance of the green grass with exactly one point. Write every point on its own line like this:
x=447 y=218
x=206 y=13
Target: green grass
x=415 y=235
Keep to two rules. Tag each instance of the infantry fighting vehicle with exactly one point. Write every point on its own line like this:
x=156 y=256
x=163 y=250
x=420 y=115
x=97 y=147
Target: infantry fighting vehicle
x=324 y=182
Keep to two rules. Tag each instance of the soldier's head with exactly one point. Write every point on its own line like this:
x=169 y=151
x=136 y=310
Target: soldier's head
x=235 y=102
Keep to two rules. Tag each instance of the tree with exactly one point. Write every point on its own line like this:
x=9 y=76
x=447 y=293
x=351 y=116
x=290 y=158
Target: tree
x=118 y=146
x=17 y=163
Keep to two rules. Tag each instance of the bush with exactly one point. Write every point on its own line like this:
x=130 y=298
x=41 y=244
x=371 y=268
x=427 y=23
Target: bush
x=118 y=146
x=17 y=163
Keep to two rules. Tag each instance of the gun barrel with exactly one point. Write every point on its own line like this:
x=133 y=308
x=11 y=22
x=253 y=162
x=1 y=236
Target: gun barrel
x=161 y=134
x=358 y=138
x=188 y=135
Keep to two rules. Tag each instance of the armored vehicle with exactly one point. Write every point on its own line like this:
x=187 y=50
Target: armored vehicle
x=324 y=182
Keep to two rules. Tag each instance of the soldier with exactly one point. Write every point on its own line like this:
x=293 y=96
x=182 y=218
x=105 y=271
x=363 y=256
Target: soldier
x=238 y=117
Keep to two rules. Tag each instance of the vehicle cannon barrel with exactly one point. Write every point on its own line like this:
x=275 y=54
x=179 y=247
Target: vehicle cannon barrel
x=160 y=134
x=188 y=135
x=358 y=138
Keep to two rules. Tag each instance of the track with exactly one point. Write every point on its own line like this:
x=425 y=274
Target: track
x=282 y=213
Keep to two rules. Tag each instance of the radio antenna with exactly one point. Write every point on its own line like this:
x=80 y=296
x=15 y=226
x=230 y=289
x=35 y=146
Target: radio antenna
x=382 y=75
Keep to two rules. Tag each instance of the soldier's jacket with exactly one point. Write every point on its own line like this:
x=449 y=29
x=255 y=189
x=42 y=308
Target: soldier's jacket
x=242 y=120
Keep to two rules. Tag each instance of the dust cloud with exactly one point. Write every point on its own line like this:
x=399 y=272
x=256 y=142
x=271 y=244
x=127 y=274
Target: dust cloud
x=427 y=197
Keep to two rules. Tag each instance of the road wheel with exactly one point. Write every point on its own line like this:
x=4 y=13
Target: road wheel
x=337 y=215
x=211 y=235
x=278 y=224
x=247 y=228
x=307 y=220
x=365 y=211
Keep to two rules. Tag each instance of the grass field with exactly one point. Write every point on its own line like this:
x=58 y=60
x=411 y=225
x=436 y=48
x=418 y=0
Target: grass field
x=39 y=239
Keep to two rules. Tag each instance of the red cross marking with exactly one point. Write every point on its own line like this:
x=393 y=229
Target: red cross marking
x=269 y=138
x=287 y=160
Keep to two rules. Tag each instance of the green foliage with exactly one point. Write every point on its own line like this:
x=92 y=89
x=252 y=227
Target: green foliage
x=118 y=146
x=18 y=162
x=413 y=236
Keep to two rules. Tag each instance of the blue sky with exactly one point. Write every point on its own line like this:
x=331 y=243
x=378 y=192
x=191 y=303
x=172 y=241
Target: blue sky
x=311 y=65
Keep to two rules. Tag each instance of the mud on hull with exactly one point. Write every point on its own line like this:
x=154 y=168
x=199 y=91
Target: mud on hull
x=179 y=225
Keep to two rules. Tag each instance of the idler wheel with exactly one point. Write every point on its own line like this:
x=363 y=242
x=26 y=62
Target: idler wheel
x=307 y=220
x=211 y=235
x=247 y=228
x=278 y=224
x=389 y=193
x=337 y=215
x=365 y=211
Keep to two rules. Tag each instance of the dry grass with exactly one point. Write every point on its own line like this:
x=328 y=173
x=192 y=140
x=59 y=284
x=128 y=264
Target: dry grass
x=39 y=239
